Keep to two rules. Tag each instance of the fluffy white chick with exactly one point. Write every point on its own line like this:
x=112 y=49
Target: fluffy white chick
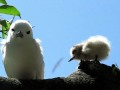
x=22 y=55
x=95 y=48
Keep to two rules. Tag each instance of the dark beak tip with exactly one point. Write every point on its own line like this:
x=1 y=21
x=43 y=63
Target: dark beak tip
x=71 y=59
x=19 y=34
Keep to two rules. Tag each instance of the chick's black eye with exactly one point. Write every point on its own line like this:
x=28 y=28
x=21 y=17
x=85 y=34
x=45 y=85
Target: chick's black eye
x=13 y=30
x=28 y=32
x=74 y=51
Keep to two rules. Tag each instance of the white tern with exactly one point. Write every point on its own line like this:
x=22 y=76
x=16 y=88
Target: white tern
x=21 y=54
x=95 y=48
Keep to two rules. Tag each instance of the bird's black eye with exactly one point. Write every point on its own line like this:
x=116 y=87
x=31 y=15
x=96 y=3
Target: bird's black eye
x=13 y=29
x=74 y=51
x=28 y=32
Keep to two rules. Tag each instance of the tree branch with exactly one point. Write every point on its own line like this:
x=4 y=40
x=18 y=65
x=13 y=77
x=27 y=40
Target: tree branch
x=90 y=75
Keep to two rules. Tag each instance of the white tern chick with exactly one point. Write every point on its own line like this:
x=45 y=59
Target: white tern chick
x=95 y=48
x=22 y=55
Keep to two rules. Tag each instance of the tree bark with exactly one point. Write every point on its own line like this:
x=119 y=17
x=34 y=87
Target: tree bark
x=90 y=75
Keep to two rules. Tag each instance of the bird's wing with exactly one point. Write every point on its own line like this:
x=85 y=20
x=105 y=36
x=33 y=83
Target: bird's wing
x=40 y=62
x=3 y=41
x=3 y=47
x=38 y=42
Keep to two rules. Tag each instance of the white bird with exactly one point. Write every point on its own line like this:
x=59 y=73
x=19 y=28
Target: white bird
x=95 y=48
x=21 y=54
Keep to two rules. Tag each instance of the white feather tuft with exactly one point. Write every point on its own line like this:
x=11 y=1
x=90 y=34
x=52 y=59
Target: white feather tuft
x=88 y=50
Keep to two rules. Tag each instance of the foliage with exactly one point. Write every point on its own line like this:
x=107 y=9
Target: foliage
x=9 y=10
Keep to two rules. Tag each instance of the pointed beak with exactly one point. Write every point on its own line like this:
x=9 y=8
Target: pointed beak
x=71 y=58
x=19 y=34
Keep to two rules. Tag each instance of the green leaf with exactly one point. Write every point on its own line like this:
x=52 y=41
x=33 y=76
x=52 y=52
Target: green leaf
x=3 y=32
x=3 y=2
x=3 y=23
x=5 y=27
x=11 y=10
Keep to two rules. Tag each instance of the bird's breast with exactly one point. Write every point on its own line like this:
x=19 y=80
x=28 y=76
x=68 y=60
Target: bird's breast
x=22 y=54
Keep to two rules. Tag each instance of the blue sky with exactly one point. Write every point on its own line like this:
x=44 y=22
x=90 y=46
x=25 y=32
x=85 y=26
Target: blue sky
x=62 y=23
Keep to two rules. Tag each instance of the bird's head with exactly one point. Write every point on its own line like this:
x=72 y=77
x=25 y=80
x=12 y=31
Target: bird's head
x=76 y=52
x=20 y=29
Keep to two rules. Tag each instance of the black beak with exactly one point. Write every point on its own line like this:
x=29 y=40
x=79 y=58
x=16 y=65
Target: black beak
x=71 y=58
x=19 y=34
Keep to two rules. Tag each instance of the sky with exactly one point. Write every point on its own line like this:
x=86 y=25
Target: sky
x=60 y=24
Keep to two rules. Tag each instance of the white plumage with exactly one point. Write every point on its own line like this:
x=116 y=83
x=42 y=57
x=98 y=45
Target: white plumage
x=22 y=55
x=95 y=48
